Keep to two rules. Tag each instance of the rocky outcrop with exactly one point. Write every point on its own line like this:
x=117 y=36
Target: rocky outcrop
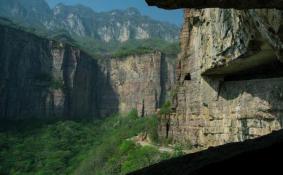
x=229 y=78
x=259 y=156
x=238 y=4
x=40 y=78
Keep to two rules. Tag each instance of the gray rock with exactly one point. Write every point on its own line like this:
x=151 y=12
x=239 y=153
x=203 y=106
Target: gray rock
x=40 y=78
x=229 y=78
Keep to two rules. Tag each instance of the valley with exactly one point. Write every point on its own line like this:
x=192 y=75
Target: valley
x=110 y=93
x=64 y=104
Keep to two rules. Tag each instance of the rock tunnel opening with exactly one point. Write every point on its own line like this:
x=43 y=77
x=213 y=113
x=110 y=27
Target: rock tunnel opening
x=272 y=69
x=167 y=129
x=188 y=77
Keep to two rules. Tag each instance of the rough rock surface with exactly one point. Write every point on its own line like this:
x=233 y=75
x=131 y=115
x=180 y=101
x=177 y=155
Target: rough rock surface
x=229 y=78
x=237 y=4
x=48 y=79
x=142 y=82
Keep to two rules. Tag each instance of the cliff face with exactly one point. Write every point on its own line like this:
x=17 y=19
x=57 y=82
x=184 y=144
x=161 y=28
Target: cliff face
x=229 y=77
x=142 y=82
x=40 y=78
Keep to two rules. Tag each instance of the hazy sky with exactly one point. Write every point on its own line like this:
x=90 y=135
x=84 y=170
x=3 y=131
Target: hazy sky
x=172 y=16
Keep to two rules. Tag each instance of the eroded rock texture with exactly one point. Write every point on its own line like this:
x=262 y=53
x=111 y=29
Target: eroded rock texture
x=237 y=4
x=40 y=78
x=142 y=82
x=229 y=77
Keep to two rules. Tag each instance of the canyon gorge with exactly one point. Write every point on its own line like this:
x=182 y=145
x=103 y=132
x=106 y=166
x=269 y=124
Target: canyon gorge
x=228 y=78
x=225 y=86
x=43 y=78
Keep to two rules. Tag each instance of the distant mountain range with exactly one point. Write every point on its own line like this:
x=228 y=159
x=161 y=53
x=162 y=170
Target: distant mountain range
x=82 y=22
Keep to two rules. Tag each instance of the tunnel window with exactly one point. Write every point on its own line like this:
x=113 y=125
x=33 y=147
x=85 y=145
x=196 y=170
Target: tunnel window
x=167 y=129
x=188 y=77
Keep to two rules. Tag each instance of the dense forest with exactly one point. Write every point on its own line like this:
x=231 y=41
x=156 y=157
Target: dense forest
x=100 y=147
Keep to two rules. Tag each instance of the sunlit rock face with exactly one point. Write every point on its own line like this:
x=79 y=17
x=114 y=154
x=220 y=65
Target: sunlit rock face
x=41 y=78
x=142 y=82
x=237 y=4
x=229 y=77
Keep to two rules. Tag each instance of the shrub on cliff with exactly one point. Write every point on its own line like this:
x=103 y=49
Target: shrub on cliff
x=166 y=108
x=178 y=150
x=133 y=113
x=152 y=128
x=138 y=47
x=56 y=84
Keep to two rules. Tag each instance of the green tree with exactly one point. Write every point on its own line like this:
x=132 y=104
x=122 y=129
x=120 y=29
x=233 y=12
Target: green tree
x=166 y=108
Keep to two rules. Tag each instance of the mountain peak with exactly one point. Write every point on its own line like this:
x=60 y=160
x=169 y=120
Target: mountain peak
x=78 y=8
x=132 y=11
x=83 y=22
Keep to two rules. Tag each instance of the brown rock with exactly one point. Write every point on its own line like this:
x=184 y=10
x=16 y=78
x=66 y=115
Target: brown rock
x=229 y=77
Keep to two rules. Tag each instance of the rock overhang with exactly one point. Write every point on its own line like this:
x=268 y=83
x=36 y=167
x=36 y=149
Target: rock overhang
x=236 y=4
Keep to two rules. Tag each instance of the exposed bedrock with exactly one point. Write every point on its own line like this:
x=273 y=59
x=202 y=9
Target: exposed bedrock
x=229 y=78
x=142 y=82
x=40 y=78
